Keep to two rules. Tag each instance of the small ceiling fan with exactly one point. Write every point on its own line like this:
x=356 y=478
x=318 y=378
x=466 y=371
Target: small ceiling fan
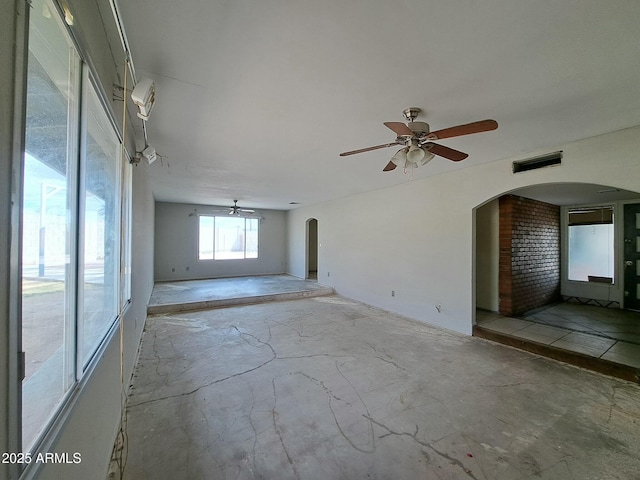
x=416 y=139
x=236 y=210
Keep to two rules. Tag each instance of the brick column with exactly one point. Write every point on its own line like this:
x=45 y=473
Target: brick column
x=529 y=264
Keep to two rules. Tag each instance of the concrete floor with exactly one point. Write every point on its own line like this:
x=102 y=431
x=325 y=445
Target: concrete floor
x=186 y=295
x=327 y=388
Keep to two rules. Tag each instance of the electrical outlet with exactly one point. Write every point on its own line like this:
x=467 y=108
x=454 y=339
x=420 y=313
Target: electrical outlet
x=393 y=293
x=328 y=274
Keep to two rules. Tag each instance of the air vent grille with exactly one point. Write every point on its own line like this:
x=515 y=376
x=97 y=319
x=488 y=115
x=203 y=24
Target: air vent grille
x=548 y=160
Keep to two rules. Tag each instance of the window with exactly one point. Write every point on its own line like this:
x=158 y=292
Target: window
x=226 y=238
x=74 y=275
x=591 y=252
x=100 y=226
x=49 y=212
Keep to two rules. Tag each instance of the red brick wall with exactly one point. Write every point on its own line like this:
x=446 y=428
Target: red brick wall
x=529 y=275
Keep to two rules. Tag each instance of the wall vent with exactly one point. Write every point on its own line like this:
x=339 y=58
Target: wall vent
x=548 y=160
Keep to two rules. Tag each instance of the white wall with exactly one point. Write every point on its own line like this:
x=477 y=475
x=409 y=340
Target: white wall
x=487 y=256
x=426 y=251
x=176 y=245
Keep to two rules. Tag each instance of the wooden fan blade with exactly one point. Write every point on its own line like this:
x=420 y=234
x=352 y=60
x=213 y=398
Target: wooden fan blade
x=390 y=166
x=474 y=127
x=368 y=149
x=399 y=128
x=446 y=152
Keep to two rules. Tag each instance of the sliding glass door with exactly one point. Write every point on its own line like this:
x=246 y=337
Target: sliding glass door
x=72 y=274
x=49 y=211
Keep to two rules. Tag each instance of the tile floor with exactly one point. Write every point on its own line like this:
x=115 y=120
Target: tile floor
x=610 y=334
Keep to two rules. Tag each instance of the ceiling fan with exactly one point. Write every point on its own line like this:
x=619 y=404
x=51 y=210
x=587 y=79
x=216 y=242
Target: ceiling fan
x=236 y=210
x=416 y=139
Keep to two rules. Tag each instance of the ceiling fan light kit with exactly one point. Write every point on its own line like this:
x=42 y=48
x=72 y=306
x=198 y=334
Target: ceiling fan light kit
x=416 y=138
x=415 y=154
x=400 y=158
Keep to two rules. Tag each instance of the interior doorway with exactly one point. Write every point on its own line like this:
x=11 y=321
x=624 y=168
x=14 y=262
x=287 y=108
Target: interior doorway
x=595 y=321
x=312 y=249
x=632 y=256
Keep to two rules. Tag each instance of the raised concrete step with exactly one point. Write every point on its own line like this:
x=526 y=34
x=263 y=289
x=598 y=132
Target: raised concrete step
x=234 y=302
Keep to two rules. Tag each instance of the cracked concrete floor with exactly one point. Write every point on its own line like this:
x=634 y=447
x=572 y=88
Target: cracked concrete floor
x=328 y=388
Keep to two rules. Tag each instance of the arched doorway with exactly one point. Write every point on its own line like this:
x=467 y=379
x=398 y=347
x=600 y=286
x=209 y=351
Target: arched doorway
x=537 y=289
x=528 y=227
x=312 y=249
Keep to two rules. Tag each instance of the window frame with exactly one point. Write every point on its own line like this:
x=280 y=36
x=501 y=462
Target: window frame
x=126 y=221
x=72 y=145
x=81 y=368
x=86 y=353
x=214 y=259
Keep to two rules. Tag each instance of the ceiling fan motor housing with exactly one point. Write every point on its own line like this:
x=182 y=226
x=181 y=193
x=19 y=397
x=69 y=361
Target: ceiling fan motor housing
x=418 y=128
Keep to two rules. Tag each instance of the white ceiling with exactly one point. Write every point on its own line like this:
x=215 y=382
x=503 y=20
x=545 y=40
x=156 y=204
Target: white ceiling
x=256 y=99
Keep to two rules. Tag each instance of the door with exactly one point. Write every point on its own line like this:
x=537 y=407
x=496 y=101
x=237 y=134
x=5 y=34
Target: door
x=632 y=256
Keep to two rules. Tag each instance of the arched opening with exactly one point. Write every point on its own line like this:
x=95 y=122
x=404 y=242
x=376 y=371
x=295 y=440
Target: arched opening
x=554 y=263
x=312 y=249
